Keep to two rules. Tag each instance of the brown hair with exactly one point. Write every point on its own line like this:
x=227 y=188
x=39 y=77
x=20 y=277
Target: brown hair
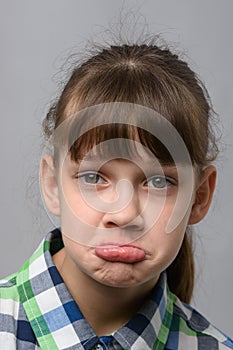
x=156 y=78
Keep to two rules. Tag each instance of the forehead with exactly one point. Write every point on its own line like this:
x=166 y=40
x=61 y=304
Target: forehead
x=121 y=130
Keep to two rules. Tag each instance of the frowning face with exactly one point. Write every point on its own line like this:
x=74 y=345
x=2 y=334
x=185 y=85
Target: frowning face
x=123 y=218
x=114 y=218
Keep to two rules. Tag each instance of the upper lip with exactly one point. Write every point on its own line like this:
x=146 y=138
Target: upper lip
x=113 y=244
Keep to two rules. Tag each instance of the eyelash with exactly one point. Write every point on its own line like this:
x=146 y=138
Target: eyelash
x=94 y=174
x=96 y=177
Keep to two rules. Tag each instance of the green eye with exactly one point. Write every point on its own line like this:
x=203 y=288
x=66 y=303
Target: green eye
x=91 y=178
x=158 y=182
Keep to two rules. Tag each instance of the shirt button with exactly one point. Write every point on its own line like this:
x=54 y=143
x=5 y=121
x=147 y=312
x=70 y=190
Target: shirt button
x=99 y=347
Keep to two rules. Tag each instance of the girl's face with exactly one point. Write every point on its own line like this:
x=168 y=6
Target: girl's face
x=122 y=241
x=114 y=219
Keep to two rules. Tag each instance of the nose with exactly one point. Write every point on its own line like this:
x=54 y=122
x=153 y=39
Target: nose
x=129 y=216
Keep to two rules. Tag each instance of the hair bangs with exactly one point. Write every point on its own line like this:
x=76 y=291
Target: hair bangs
x=111 y=141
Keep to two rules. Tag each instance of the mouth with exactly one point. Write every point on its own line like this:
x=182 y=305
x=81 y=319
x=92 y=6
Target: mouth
x=125 y=253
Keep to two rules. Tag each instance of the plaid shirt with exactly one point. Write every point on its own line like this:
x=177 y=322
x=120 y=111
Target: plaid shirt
x=38 y=312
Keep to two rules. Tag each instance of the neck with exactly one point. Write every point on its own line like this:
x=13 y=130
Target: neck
x=105 y=308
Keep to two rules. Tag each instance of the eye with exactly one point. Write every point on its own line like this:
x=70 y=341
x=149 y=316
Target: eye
x=158 y=182
x=91 y=178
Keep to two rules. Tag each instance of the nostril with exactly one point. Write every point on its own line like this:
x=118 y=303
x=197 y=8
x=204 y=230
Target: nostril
x=125 y=227
x=129 y=218
x=111 y=224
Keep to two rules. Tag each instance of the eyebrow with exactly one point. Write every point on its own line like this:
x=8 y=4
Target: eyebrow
x=90 y=157
x=98 y=162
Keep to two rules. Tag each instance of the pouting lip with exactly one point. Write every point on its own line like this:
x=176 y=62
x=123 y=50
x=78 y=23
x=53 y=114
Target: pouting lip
x=124 y=253
x=113 y=244
x=120 y=245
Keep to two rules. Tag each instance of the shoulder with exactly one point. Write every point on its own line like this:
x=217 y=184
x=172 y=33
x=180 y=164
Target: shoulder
x=15 y=328
x=9 y=311
x=9 y=297
x=8 y=291
x=194 y=331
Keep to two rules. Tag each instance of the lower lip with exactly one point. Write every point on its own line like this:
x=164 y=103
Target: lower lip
x=125 y=254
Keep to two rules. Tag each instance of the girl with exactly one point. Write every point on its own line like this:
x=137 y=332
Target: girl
x=129 y=173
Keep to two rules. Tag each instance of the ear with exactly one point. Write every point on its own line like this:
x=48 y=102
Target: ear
x=203 y=195
x=49 y=185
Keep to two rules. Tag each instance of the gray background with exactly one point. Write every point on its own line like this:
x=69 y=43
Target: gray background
x=35 y=38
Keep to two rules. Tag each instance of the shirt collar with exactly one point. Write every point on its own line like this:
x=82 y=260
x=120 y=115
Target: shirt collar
x=151 y=324
x=58 y=322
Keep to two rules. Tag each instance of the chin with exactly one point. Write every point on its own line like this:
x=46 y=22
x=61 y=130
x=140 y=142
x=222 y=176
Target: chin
x=119 y=275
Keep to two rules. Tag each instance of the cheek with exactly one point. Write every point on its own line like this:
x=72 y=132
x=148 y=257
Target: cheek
x=79 y=254
x=75 y=206
x=78 y=220
x=164 y=246
x=173 y=220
